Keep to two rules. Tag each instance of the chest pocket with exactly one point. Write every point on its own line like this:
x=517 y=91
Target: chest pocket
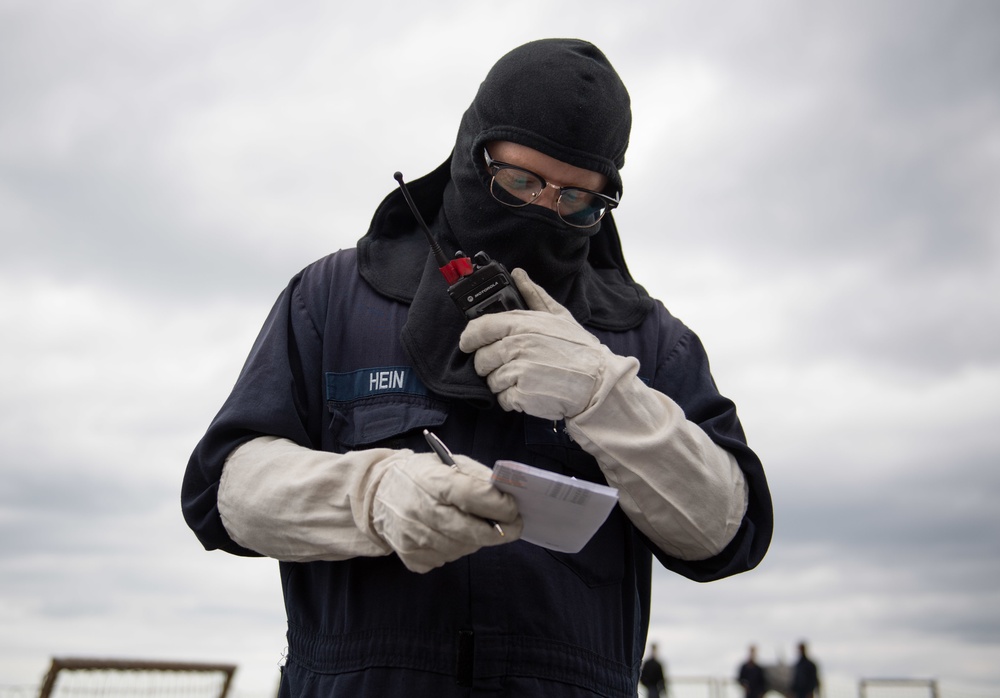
x=380 y=406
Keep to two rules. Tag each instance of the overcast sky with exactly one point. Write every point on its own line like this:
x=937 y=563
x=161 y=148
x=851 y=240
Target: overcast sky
x=813 y=187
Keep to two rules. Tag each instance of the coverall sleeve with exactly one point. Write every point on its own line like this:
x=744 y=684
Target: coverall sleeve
x=683 y=374
x=270 y=398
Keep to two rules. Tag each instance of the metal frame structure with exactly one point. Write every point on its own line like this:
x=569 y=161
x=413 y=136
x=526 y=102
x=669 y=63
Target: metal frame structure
x=127 y=665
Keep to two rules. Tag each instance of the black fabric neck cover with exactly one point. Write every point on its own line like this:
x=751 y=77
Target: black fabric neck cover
x=562 y=98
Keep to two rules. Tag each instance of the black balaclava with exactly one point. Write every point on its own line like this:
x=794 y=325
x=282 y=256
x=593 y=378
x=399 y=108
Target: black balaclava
x=558 y=96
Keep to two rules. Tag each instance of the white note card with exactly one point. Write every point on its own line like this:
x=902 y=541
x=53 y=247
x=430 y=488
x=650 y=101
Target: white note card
x=559 y=512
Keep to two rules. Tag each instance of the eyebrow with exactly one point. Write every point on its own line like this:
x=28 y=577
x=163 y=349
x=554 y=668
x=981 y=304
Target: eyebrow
x=603 y=177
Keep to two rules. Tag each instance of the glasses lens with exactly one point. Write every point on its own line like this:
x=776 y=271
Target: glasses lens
x=580 y=208
x=515 y=187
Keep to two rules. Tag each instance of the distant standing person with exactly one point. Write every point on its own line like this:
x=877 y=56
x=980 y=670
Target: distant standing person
x=805 y=680
x=751 y=676
x=652 y=675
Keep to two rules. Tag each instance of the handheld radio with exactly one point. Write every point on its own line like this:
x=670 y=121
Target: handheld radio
x=477 y=286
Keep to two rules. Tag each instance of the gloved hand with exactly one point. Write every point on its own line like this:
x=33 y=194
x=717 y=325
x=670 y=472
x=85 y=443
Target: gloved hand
x=430 y=513
x=541 y=361
x=297 y=504
x=676 y=485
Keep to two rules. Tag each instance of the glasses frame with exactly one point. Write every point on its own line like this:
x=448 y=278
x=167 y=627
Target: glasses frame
x=494 y=166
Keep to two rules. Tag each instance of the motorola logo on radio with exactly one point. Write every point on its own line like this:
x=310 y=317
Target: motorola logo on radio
x=486 y=289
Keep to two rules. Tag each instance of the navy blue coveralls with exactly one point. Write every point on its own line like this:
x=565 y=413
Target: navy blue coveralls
x=328 y=372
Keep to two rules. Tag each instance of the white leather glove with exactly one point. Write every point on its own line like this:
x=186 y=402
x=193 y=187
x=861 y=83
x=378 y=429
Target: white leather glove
x=430 y=513
x=684 y=492
x=296 y=504
x=542 y=361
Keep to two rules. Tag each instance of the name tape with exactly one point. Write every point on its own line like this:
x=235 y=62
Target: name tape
x=366 y=382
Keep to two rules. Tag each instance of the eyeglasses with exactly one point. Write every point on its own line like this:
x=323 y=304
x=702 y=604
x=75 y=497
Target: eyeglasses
x=514 y=186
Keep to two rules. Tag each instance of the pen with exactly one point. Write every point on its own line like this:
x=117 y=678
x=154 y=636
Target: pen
x=437 y=445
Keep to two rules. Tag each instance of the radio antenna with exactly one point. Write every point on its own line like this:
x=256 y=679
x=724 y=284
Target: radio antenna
x=439 y=255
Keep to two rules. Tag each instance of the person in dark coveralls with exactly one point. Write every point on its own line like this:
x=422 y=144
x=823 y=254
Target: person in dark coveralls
x=395 y=582
x=751 y=676
x=652 y=675
x=805 y=675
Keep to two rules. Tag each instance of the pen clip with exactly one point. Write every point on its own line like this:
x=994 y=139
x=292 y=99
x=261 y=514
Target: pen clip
x=442 y=444
x=438 y=446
